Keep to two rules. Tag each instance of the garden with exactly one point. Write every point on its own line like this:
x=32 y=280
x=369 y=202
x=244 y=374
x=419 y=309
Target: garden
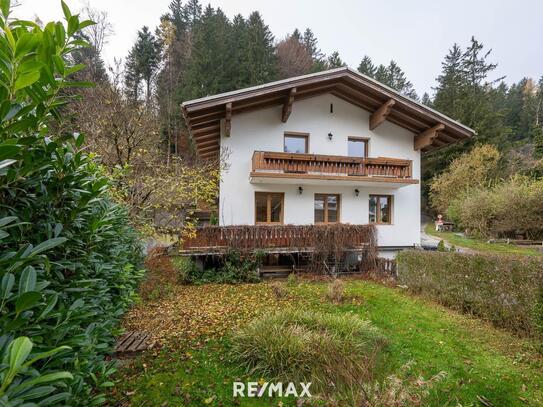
x=359 y=342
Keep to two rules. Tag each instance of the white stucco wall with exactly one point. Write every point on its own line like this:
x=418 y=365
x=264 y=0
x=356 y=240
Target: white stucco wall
x=263 y=130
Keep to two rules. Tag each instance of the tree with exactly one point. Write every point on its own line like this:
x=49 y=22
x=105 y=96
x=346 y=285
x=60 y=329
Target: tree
x=259 y=48
x=394 y=77
x=426 y=100
x=145 y=56
x=471 y=170
x=132 y=76
x=367 y=67
x=451 y=83
x=192 y=12
x=334 y=61
x=292 y=58
x=310 y=43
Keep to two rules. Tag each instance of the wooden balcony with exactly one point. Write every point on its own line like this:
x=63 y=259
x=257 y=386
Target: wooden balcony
x=279 y=238
x=268 y=166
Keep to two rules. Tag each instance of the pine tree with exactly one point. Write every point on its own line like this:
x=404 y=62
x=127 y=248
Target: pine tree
x=297 y=35
x=260 y=51
x=95 y=69
x=335 y=61
x=451 y=84
x=146 y=55
x=426 y=100
x=176 y=16
x=132 y=77
x=367 y=67
x=310 y=43
x=192 y=12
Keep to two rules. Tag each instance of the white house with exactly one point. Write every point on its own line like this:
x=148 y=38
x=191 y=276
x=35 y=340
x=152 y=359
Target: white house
x=334 y=146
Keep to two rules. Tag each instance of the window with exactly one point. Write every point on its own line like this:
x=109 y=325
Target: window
x=381 y=209
x=358 y=147
x=326 y=208
x=269 y=207
x=296 y=143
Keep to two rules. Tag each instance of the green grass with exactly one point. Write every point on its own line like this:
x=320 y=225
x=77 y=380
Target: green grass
x=481 y=245
x=481 y=362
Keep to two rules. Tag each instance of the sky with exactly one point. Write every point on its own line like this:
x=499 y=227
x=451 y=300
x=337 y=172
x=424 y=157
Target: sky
x=415 y=33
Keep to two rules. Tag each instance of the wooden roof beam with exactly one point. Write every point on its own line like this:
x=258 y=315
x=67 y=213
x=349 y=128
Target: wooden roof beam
x=228 y=119
x=287 y=106
x=381 y=114
x=426 y=138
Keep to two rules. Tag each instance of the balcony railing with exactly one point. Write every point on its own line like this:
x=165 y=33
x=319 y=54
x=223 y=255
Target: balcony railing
x=330 y=165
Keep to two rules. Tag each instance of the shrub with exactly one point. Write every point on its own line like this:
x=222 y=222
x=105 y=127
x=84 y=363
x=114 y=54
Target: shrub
x=505 y=290
x=336 y=291
x=332 y=351
x=471 y=170
x=236 y=268
x=509 y=207
x=68 y=256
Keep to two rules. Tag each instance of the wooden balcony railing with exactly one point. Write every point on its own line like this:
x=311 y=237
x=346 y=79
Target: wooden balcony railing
x=330 y=165
x=214 y=239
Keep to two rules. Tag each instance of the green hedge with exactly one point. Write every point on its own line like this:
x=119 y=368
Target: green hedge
x=505 y=290
x=69 y=259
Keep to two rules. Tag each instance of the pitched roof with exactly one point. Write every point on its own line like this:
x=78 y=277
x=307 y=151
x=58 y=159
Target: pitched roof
x=203 y=115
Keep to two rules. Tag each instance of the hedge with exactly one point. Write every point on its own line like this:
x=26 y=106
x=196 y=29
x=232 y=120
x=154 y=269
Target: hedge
x=69 y=259
x=505 y=290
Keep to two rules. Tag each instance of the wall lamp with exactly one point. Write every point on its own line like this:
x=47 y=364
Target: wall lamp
x=330 y=136
x=300 y=190
x=356 y=192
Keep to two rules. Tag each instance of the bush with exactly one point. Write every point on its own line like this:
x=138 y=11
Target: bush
x=332 y=351
x=471 y=170
x=68 y=256
x=508 y=208
x=505 y=290
x=234 y=270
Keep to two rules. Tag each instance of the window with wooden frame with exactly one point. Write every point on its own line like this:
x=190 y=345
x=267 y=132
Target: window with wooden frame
x=296 y=143
x=358 y=147
x=381 y=209
x=327 y=208
x=269 y=207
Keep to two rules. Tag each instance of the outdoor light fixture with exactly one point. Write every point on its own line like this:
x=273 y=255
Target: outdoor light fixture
x=300 y=190
x=356 y=192
x=330 y=135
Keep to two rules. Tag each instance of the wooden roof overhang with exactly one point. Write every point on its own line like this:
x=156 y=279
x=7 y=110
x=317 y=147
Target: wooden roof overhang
x=434 y=130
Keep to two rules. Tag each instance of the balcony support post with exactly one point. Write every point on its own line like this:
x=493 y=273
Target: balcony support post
x=228 y=120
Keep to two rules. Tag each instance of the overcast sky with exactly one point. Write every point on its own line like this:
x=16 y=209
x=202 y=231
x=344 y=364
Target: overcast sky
x=415 y=33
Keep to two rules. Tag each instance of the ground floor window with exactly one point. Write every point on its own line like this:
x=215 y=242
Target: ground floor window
x=381 y=209
x=269 y=207
x=327 y=208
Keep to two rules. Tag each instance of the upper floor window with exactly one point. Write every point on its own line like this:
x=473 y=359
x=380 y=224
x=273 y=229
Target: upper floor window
x=269 y=207
x=326 y=208
x=358 y=147
x=296 y=143
x=381 y=209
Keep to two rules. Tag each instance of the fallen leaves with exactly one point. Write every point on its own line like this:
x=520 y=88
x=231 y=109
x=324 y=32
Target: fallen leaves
x=197 y=313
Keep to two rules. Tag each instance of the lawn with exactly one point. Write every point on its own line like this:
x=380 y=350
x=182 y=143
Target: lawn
x=481 y=245
x=193 y=325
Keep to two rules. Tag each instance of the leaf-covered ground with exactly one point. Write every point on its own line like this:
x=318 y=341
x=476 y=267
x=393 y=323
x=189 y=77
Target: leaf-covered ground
x=483 y=365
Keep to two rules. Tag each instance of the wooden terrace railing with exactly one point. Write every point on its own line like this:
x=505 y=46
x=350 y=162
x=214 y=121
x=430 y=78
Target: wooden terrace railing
x=212 y=239
x=317 y=164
